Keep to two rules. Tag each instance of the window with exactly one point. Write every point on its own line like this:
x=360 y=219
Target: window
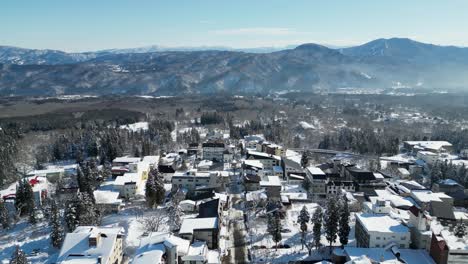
x=403 y=238
x=377 y=245
x=378 y=238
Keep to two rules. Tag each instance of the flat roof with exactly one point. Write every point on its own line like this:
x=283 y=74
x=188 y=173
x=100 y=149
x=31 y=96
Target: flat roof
x=191 y=224
x=381 y=223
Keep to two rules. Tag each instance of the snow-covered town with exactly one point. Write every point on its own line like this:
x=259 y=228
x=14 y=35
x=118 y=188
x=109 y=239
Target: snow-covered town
x=223 y=200
x=233 y=132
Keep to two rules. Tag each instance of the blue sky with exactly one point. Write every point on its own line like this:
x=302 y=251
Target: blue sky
x=100 y=24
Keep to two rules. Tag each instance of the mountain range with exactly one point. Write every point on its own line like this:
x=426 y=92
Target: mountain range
x=155 y=70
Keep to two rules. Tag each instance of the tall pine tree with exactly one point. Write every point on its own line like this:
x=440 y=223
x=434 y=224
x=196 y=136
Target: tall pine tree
x=18 y=257
x=4 y=215
x=81 y=212
x=343 y=232
x=317 y=220
x=460 y=229
x=274 y=227
x=303 y=219
x=57 y=232
x=331 y=218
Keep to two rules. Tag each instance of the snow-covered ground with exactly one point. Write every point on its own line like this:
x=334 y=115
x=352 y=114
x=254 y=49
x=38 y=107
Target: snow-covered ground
x=263 y=244
x=32 y=239
x=135 y=127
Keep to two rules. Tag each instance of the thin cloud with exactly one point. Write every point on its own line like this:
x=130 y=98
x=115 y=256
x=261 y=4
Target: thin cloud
x=264 y=31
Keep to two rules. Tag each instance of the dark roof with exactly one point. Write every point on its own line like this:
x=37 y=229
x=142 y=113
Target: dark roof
x=209 y=209
x=340 y=183
x=213 y=145
x=361 y=175
x=166 y=168
x=441 y=210
x=193 y=145
x=458 y=195
x=414 y=210
x=252 y=178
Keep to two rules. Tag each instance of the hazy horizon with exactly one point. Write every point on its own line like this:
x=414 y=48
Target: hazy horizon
x=99 y=25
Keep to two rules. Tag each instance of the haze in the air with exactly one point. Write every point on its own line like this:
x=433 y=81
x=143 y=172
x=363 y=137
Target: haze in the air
x=94 y=25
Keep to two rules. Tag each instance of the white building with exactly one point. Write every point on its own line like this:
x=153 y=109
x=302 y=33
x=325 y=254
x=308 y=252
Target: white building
x=161 y=248
x=90 y=244
x=213 y=151
x=376 y=231
x=428 y=156
x=194 y=180
x=203 y=229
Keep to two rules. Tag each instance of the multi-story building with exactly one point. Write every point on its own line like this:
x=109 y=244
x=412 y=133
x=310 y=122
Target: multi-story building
x=195 y=181
x=202 y=229
x=213 y=151
x=161 y=247
x=378 y=230
x=268 y=160
x=91 y=244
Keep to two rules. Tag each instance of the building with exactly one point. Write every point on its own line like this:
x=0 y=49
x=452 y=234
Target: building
x=108 y=201
x=213 y=151
x=272 y=185
x=420 y=227
x=427 y=156
x=447 y=249
x=91 y=244
x=377 y=231
x=161 y=248
x=129 y=185
x=318 y=181
x=433 y=146
x=268 y=160
x=196 y=182
x=199 y=253
x=336 y=186
x=203 y=229
x=365 y=181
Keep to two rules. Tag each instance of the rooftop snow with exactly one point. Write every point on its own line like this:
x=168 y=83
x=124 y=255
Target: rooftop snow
x=191 y=224
x=381 y=223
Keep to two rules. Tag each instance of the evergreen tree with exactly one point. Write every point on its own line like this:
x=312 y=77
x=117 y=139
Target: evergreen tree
x=274 y=227
x=436 y=173
x=18 y=257
x=460 y=229
x=81 y=211
x=303 y=219
x=344 y=230
x=4 y=215
x=305 y=159
x=57 y=232
x=331 y=218
x=24 y=198
x=317 y=219
x=154 y=192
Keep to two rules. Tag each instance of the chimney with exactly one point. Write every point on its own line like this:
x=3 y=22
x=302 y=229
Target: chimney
x=93 y=239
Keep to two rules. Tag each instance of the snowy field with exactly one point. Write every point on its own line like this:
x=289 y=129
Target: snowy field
x=263 y=245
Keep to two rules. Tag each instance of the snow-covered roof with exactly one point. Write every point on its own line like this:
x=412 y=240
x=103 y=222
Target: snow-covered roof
x=381 y=223
x=386 y=256
x=153 y=160
x=197 y=252
x=107 y=197
x=426 y=196
x=395 y=200
x=135 y=126
x=263 y=154
x=126 y=159
x=270 y=181
x=191 y=224
x=315 y=170
x=126 y=178
x=205 y=164
x=153 y=247
x=435 y=145
x=77 y=245
x=254 y=163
